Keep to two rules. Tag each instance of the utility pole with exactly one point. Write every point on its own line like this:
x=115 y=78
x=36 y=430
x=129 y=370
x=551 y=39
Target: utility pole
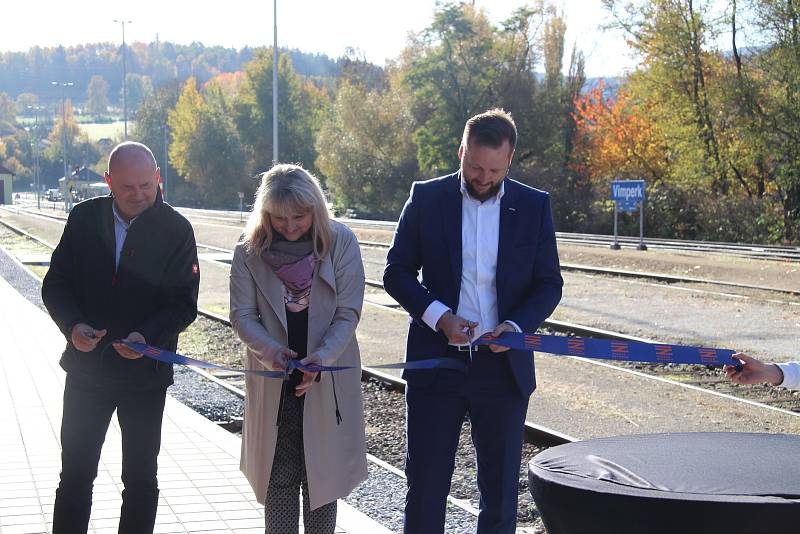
x=35 y=141
x=275 y=86
x=64 y=85
x=166 y=162
x=124 y=78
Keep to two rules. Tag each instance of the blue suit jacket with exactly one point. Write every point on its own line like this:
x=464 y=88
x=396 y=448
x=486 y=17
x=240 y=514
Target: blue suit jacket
x=428 y=238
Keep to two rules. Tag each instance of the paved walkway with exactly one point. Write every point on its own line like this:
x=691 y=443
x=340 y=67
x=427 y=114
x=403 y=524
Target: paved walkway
x=202 y=489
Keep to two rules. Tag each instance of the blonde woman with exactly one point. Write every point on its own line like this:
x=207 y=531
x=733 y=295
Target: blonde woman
x=296 y=289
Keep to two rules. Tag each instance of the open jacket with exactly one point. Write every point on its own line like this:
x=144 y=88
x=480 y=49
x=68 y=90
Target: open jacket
x=335 y=454
x=428 y=240
x=153 y=292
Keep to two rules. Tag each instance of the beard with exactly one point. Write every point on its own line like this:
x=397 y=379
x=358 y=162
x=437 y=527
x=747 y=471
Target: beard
x=491 y=192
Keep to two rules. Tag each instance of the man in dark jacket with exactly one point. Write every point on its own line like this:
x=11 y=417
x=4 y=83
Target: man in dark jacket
x=125 y=269
x=486 y=248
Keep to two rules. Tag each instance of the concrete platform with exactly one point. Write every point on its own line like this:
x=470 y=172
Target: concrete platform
x=202 y=489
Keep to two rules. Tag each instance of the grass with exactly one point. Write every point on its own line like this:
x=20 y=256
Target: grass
x=111 y=130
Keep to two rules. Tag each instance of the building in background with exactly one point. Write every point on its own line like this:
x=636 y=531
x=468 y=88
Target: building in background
x=6 y=177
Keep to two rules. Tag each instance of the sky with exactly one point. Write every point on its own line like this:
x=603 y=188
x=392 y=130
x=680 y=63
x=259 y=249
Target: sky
x=378 y=28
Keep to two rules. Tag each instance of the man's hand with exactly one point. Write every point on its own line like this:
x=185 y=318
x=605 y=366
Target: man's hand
x=753 y=371
x=502 y=327
x=85 y=338
x=457 y=329
x=125 y=352
x=308 y=377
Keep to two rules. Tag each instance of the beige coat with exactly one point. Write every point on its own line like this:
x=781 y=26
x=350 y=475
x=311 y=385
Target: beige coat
x=334 y=453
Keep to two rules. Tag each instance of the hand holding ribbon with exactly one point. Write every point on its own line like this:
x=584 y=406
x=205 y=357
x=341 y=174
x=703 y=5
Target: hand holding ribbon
x=306 y=364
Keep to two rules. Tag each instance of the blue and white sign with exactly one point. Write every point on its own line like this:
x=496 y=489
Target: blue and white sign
x=628 y=194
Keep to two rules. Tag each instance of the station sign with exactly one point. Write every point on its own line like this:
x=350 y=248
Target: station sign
x=628 y=194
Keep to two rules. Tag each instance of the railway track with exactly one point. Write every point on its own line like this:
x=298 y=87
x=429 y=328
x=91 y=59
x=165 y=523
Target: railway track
x=748 y=250
x=536 y=433
x=765 y=396
x=697 y=377
x=568 y=267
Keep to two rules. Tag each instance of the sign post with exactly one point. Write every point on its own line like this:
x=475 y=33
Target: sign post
x=628 y=195
x=241 y=206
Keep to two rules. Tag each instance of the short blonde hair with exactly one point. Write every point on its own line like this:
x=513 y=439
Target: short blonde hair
x=286 y=188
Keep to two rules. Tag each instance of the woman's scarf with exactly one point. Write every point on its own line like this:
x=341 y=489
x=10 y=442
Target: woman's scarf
x=293 y=263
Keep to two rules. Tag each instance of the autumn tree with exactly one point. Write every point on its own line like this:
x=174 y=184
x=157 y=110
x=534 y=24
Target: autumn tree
x=151 y=127
x=97 y=96
x=672 y=38
x=300 y=104
x=366 y=150
x=206 y=148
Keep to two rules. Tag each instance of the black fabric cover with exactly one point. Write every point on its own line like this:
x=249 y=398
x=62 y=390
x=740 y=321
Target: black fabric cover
x=670 y=483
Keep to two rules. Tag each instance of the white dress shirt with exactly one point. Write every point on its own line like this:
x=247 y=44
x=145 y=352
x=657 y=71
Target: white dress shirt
x=480 y=234
x=791 y=375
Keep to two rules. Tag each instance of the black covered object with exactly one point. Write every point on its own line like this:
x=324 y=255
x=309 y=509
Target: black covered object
x=732 y=483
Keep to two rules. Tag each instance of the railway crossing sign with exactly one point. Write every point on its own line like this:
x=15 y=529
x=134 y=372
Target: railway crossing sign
x=628 y=195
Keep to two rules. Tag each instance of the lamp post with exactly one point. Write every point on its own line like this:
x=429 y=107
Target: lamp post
x=275 y=85
x=124 y=79
x=166 y=162
x=63 y=86
x=35 y=142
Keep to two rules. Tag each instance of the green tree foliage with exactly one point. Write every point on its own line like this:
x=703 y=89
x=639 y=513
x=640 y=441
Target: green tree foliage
x=729 y=120
x=24 y=101
x=778 y=71
x=672 y=37
x=366 y=150
x=300 y=103
x=97 y=96
x=453 y=71
x=8 y=115
x=151 y=127
x=140 y=88
x=206 y=148
x=80 y=149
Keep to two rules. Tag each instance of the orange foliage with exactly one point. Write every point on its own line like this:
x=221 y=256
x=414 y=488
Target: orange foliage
x=229 y=82
x=615 y=138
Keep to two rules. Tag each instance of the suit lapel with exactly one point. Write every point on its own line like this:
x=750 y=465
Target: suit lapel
x=505 y=244
x=109 y=236
x=451 y=213
x=269 y=285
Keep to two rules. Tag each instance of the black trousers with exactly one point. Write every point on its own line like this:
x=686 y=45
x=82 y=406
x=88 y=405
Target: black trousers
x=87 y=414
x=435 y=413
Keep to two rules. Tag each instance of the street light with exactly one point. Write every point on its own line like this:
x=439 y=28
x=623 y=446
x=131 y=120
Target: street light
x=124 y=78
x=275 y=85
x=166 y=162
x=35 y=142
x=64 y=85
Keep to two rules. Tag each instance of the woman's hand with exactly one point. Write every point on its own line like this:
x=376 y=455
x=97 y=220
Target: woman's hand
x=308 y=377
x=276 y=357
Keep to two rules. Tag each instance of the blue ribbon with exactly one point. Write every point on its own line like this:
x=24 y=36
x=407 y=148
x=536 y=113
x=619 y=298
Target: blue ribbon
x=166 y=356
x=612 y=349
x=607 y=349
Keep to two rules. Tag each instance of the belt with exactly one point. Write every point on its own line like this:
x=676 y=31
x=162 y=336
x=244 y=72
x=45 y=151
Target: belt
x=465 y=348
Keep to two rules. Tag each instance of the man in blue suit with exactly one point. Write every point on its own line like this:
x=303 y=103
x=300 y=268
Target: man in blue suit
x=487 y=251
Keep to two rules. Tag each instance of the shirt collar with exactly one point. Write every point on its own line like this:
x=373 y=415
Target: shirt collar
x=466 y=194
x=119 y=218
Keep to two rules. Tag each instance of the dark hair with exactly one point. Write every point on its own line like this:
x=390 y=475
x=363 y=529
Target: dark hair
x=491 y=128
